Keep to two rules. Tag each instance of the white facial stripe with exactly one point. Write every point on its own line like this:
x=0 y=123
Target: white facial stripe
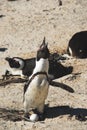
x=21 y=62
x=70 y=51
x=80 y=50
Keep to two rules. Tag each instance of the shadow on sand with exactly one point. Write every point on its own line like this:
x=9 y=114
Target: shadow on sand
x=50 y=112
x=79 y=113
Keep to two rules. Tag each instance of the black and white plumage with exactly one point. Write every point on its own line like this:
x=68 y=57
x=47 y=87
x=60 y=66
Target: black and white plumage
x=20 y=66
x=36 y=90
x=25 y=67
x=77 y=46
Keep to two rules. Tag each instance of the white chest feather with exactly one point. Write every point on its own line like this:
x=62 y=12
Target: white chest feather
x=41 y=65
x=37 y=90
x=15 y=71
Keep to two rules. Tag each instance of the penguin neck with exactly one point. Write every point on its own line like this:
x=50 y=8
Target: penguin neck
x=42 y=65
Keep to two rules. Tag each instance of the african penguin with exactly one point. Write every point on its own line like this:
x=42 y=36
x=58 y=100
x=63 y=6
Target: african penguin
x=25 y=67
x=77 y=46
x=20 y=66
x=36 y=89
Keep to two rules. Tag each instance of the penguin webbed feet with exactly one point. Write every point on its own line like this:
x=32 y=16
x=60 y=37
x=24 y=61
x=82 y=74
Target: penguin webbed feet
x=26 y=117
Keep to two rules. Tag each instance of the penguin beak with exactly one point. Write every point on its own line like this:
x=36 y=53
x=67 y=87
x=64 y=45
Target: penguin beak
x=7 y=59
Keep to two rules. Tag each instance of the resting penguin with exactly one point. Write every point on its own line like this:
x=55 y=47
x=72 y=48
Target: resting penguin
x=77 y=46
x=24 y=67
x=20 y=66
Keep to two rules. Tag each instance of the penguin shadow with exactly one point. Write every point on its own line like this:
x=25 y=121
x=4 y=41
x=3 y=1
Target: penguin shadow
x=56 y=111
x=3 y=49
x=50 y=112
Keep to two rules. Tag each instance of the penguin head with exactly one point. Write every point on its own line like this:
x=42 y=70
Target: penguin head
x=43 y=51
x=15 y=62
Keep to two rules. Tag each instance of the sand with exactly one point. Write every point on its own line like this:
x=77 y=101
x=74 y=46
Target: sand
x=23 y=25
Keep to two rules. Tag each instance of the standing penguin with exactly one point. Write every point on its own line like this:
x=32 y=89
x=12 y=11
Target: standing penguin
x=36 y=89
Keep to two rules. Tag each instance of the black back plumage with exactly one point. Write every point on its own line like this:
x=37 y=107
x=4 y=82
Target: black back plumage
x=78 y=45
x=29 y=65
x=55 y=68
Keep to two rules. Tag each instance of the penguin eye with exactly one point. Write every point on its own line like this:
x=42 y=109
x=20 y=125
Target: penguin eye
x=16 y=61
x=16 y=64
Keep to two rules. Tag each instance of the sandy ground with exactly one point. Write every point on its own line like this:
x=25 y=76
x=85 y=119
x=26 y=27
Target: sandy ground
x=23 y=25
